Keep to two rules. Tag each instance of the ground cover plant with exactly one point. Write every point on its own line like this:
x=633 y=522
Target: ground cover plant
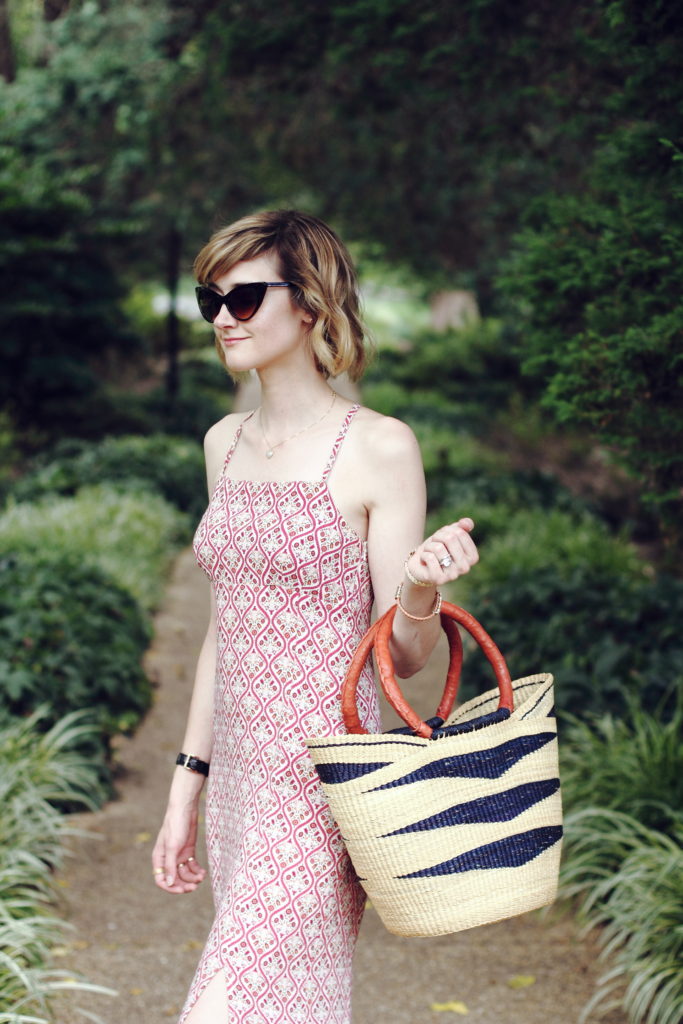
x=70 y=637
x=603 y=635
x=40 y=771
x=630 y=762
x=129 y=535
x=628 y=881
x=169 y=465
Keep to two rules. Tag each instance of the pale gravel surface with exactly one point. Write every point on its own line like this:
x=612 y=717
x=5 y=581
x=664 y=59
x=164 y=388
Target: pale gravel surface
x=130 y=936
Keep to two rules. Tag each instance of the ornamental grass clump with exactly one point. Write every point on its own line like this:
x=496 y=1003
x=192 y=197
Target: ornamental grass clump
x=39 y=772
x=631 y=763
x=628 y=881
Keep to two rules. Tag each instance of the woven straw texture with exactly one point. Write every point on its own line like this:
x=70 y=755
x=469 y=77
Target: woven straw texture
x=459 y=829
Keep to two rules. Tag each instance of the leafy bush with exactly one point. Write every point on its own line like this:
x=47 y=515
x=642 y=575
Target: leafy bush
x=629 y=881
x=130 y=536
x=596 y=284
x=71 y=638
x=39 y=771
x=543 y=536
x=61 y=294
x=169 y=465
x=189 y=414
x=465 y=375
x=501 y=501
x=602 y=634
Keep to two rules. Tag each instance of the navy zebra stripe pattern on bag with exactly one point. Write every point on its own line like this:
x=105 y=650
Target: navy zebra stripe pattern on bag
x=458 y=830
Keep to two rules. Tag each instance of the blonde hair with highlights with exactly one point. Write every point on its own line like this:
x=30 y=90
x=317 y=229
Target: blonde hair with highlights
x=317 y=264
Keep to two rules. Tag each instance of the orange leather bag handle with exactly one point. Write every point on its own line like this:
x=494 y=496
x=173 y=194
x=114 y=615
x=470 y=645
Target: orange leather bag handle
x=378 y=636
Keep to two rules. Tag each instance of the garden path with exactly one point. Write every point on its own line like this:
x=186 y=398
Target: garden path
x=132 y=937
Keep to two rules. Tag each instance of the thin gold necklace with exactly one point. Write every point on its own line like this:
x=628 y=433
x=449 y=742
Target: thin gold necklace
x=270 y=448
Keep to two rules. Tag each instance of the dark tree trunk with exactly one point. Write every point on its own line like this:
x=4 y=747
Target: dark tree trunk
x=8 y=68
x=172 y=334
x=53 y=9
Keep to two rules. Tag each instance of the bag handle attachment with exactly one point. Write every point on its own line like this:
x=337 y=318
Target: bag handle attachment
x=378 y=636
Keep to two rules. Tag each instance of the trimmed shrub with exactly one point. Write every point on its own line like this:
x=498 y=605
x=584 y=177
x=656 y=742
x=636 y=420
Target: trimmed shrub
x=539 y=537
x=493 y=497
x=71 y=638
x=471 y=371
x=130 y=536
x=601 y=634
x=170 y=465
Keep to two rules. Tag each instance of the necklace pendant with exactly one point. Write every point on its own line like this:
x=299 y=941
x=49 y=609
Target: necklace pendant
x=270 y=453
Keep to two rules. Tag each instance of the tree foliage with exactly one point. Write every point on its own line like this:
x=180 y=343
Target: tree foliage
x=596 y=277
x=424 y=125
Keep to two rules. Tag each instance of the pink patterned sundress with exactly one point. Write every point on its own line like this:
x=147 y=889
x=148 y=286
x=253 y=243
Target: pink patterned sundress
x=293 y=595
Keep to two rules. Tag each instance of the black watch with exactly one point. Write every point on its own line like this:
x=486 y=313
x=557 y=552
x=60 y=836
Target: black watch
x=193 y=764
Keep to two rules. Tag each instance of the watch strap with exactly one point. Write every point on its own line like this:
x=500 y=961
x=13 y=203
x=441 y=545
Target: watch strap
x=193 y=764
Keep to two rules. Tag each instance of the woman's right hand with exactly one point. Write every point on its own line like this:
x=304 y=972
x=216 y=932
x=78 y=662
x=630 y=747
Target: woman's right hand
x=174 y=863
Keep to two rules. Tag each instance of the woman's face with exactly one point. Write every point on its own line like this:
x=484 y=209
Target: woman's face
x=275 y=333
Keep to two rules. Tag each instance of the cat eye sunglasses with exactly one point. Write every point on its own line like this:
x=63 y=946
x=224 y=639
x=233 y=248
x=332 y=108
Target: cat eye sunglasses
x=242 y=302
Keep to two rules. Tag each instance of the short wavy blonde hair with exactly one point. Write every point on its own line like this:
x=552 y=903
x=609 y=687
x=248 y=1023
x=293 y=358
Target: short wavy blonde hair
x=317 y=263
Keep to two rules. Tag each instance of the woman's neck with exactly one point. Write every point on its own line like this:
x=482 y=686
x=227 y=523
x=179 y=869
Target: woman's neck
x=288 y=403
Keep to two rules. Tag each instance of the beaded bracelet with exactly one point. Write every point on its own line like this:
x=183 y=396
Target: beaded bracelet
x=418 y=618
x=414 y=579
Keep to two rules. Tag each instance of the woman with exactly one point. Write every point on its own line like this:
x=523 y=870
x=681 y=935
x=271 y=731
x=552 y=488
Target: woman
x=316 y=506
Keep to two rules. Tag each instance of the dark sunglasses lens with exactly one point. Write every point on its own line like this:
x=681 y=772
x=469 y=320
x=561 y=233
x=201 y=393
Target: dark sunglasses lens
x=245 y=299
x=209 y=303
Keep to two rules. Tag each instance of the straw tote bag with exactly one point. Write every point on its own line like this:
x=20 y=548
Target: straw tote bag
x=454 y=822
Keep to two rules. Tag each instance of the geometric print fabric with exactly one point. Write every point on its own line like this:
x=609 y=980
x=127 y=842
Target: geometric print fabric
x=293 y=597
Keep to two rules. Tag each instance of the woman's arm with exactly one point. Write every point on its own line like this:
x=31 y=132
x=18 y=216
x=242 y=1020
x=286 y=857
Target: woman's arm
x=396 y=517
x=177 y=839
x=176 y=842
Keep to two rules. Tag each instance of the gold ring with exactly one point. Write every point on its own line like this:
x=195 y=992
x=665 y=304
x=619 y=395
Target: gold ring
x=158 y=871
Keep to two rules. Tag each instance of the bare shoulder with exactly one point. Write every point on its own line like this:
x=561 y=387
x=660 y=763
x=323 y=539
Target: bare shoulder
x=384 y=460
x=222 y=431
x=217 y=440
x=379 y=438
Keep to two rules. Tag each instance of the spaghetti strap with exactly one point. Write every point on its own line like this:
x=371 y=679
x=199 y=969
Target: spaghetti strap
x=236 y=438
x=339 y=440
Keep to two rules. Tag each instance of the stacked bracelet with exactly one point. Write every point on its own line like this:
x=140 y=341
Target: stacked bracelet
x=193 y=764
x=414 y=579
x=418 y=618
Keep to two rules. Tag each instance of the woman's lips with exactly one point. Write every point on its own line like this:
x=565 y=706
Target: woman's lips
x=231 y=341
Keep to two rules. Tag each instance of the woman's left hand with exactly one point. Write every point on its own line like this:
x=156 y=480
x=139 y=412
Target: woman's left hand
x=449 y=553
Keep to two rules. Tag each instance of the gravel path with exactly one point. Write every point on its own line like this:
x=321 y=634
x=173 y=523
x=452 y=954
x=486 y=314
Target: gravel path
x=131 y=937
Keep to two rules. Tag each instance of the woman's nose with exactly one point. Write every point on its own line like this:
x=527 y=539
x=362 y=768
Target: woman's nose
x=224 y=317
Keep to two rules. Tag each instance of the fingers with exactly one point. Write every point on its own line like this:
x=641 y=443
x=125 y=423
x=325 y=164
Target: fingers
x=190 y=871
x=176 y=872
x=449 y=553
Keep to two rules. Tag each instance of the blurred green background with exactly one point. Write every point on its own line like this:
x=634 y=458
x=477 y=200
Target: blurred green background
x=509 y=178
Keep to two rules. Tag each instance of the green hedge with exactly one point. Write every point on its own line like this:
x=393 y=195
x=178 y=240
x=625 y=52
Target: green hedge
x=170 y=465
x=602 y=636
x=129 y=535
x=71 y=638
x=468 y=375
